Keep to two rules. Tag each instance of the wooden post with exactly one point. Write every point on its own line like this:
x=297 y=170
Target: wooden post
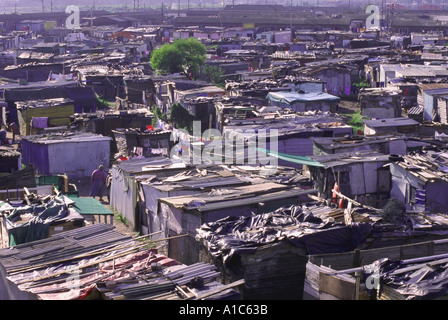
x=348 y=219
x=357 y=284
x=355 y=202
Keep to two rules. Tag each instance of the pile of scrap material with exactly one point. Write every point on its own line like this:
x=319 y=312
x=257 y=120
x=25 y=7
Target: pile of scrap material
x=269 y=251
x=430 y=165
x=424 y=278
x=39 y=218
x=405 y=226
x=99 y=262
x=178 y=282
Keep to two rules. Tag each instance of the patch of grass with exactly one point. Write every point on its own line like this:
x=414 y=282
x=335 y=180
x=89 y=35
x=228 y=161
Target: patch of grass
x=121 y=218
x=356 y=121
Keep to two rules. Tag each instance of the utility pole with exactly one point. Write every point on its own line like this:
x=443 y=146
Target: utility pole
x=290 y=22
x=43 y=8
x=162 y=13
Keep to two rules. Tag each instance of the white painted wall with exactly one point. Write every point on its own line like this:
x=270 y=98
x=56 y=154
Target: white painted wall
x=78 y=159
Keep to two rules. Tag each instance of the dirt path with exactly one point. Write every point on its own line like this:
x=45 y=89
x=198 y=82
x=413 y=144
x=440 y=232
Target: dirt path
x=83 y=186
x=348 y=107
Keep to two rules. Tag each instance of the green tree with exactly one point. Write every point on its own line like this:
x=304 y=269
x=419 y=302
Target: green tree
x=183 y=55
x=166 y=59
x=180 y=118
x=213 y=74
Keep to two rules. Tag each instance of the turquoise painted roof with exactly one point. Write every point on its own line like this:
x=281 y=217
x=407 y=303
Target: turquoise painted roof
x=292 y=158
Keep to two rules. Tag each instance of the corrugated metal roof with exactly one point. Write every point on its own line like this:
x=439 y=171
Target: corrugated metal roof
x=291 y=97
x=341 y=159
x=390 y=122
x=53 y=138
x=415 y=110
x=284 y=194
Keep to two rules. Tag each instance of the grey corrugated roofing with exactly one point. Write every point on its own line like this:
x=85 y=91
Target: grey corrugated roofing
x=291 y=97
x=284 y=194
x=53 y=138
x=390 y=122
x=136 y=165
x=415 y=110
x=437 y=91
x=212 y=182
x=340 y=142
x=333 y=160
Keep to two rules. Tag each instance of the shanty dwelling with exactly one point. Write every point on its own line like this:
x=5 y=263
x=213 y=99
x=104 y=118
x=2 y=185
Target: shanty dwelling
x=342 y=276
x=361 y=176
x=33 y=72
x=293 y=132
x=292 y=140
x=265 y=84
x=106 y=82
x=408 y=89
x=432 y=101
x=201 y=178
x=423 y=87
x=442 y=109
x=84 y=99
x=145 y=143
x=337 y=79
x=97 y=262
x=388 y=72
x=203 y=109
x=206 y=91
x=420 y=181
x=187 y=213
x=400 y=126
x=104 y=122
x=415 y=113
x=43 y=114
x=400 y=285
x=385 y=144
x=34 y=91
x=432 y=110
x=123 y=188
x=10 y=159
x=269 y=251
x=380 y=103
x=172 y=183
x=17 y=180
x=39 y=218
x=302 y=102
x=74 y=154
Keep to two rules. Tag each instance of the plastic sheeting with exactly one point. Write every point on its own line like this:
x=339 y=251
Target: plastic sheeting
x=419 y=283
x=36 y=228
x=237 y=235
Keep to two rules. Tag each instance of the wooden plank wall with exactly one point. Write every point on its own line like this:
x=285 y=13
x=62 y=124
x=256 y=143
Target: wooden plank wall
x=357 y=258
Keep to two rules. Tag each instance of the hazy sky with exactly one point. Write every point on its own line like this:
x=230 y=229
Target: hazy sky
x=9 y=6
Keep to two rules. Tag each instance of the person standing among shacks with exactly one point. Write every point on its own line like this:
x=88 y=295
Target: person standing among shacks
x=98 y=183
